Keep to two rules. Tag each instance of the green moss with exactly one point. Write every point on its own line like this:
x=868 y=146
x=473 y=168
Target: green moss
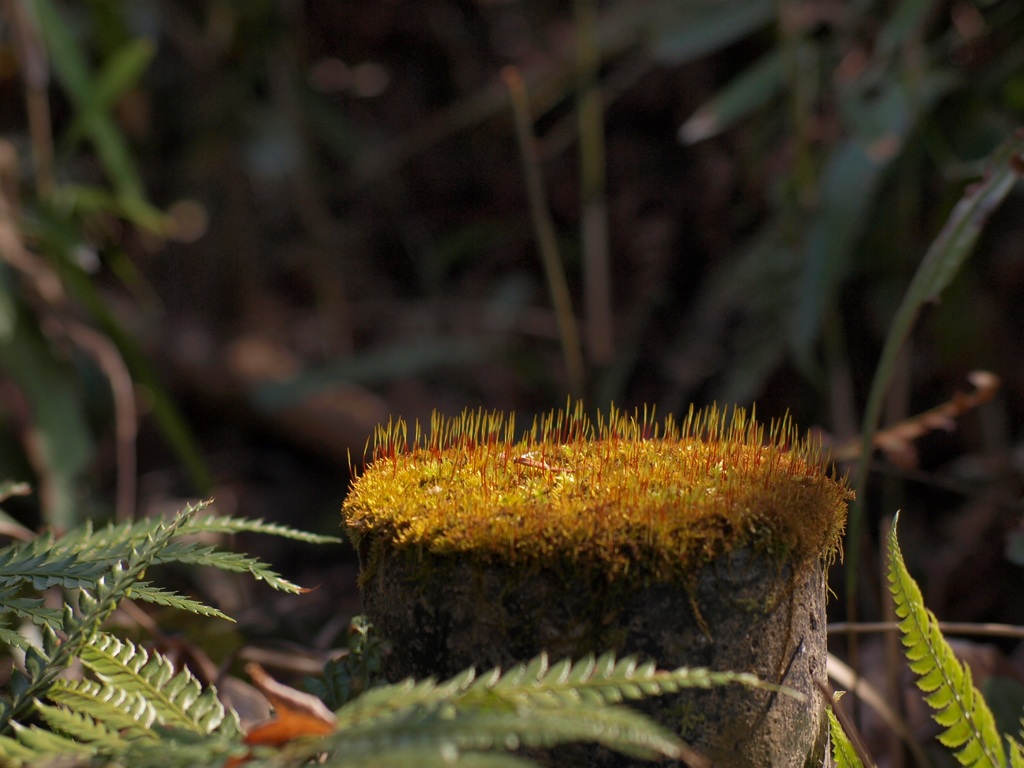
x=627 y=495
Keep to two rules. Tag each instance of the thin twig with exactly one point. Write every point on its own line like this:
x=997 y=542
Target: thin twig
x=544 y=229
x=41 y=276
x=9 y=527
x=948 y=628
x=109 y=360
x=35 y=71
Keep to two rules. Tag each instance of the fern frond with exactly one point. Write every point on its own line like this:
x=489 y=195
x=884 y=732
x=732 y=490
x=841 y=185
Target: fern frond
x=1016 y=753
x=140 y=711
x=114 y=722
x=192 y=553
x=14 y=753
x=843 y=753
x=117 y=538
x=177 y=698
x=84 y=555
x=505 y=725
x=532 y=704
x=968 y=724
x=232 y=525
x=32 y=608
x=603 y=680
x=83 y=728
x=391 y=699
x=114 y=538
x=42 y=564
x=43 y=742
x=14 y=639
x=43 y=665
x=158 y=596
x=128 y=712
x=180 y=749
x=140 y=701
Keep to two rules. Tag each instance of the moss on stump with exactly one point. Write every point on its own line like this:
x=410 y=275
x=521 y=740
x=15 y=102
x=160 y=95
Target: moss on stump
x=699 y=543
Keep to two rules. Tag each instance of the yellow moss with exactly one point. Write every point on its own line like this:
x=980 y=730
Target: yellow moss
x=624 y=493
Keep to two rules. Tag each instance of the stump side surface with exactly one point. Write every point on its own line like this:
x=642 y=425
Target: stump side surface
x=744 y=612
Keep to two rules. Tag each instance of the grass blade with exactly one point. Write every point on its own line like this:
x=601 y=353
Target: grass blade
x=940 y=265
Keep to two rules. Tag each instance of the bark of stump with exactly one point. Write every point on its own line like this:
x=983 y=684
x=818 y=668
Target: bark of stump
x=756 y=614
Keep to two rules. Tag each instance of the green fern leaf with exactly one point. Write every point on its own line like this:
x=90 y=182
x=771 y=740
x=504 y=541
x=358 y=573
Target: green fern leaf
x=115 y=539
x=532 y=704
x=42 y=564
x=504 y=725
x=610 y=680
x=127 y=712
x=31 y=608
x=843 y=753
x=13 y=752
x=191 y=553
x=148 y=593
x=969 y=726
x=232 y=525
x=182 y=749
x=43 y=742
x=1016 y=753
x=83 y=728
x=178 y=698
x=589 y=680
x=13 y=639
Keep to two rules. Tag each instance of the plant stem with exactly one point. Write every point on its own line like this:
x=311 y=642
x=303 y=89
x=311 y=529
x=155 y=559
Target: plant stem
x=544 y=229
x=593 y=202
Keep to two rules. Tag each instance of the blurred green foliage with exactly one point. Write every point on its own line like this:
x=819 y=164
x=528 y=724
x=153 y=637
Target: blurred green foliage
x=886 y=112
x=60 y=222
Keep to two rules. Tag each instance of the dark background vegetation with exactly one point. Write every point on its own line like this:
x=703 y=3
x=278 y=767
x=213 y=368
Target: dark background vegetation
x=347 y=237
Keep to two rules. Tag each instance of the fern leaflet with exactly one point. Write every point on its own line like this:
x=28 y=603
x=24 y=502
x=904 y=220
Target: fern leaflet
x=191 y=553
x=1016 y=754
x=177 y=698
x=13 y=752
x=148 y=593
x=32 y=608
x=127 y=712
x=86 y=729
x=843 y=754
x=230 y=525
x=44 y=742
x=13 y=639
x=503 y=725
x=968 y=724
x=603 y=680
x=41 y=563
x=179 y=749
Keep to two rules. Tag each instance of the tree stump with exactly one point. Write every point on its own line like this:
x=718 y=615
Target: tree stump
x=704 y=543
